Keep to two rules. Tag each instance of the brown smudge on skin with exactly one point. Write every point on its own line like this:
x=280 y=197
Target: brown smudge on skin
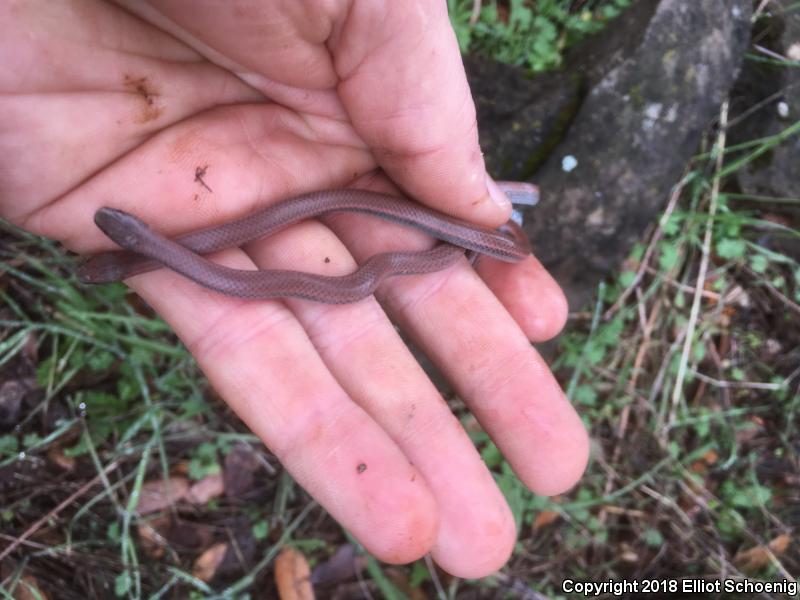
x=182 y=151
x=361 y=467
x=142 y=88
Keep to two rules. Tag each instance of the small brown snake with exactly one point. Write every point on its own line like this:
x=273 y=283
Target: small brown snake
x=147 y=250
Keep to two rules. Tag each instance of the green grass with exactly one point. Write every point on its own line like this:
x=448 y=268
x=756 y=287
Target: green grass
x=683 y=430
x=694 y=442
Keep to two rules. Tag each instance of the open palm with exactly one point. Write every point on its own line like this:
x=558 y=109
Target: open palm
x=189 y=114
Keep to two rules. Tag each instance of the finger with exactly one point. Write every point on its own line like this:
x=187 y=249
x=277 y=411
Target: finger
x=500 y=377
x=477 y=345
x=404 y=87
x=363 y=351
x=257 y=356
x=530 y=295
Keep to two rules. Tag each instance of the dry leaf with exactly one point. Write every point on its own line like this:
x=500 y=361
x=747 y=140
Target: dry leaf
x=744 y=436
x=292 y=576
x=187 y=537
x=344 y=565
x=755 y=559
x=151 y=540
x=209 y=561
x=31 y=348
x=57 y=455
x=777 y=218
x=629 y=556
x=698 y=467
x=207 y=488
x=544 y=518
x=779 y=544
x=28 y=589
x=710 y=457
x=159 y=494
x=241 y=472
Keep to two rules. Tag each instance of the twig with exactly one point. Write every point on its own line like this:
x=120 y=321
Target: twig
x=631 y=387
x=701 y=275
x=776 y=292
x=753 y=385
x=38 y=524
x=577 y=371
x=683 y=287
x=641 y=309
x=476 y=11
x=435 y=577
x=673 y=201
x=644 y=346
x=670 y=503
x=771 y=53
x=757 y=12
x=759 y=105
x=658 y=383
x=725 y=393
x=520 y=588
x=11 y=538
x=639 y=360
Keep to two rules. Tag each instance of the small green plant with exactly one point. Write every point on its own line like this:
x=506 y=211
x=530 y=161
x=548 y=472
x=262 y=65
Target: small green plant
x=204 y=458
x=521 y=32
x=260 y=530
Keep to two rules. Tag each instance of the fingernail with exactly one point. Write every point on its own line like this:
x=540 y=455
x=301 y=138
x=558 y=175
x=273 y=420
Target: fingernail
x=496 y=194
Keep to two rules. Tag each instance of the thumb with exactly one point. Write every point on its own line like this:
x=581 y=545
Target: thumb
x=403 y=84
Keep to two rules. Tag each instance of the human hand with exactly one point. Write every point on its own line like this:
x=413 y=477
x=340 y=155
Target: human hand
x=189 y=115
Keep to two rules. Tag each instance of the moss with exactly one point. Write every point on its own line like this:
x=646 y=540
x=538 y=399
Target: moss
x=636 y=96
x=559 y=128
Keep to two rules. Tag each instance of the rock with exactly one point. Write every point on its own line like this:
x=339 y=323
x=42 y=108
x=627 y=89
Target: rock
x=521 y=120
x=523 y=117
x=649 y=96
x=765 y=102
x=771 y=90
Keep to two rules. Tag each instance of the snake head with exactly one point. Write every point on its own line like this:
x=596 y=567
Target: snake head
x=121 y=227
